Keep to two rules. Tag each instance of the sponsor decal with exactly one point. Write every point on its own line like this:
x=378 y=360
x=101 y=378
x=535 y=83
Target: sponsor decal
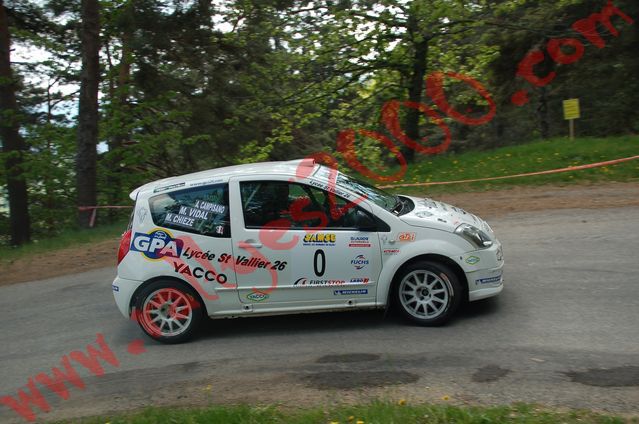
x=319 y=239
x=202 y=183
x=490 y=280
x=406 y=237
x=349 y=292
x=359 y=281
x=199 y=272
x=359 y=261
x=500 y=255
x=115 y=288
x=252 y=262
x=472 y=260
x=257 y=296
x=330 y=188
x=359 y=241
x=305 y=282
x=198 y=254
x=169 y=187
x=391 y=252
x=157 y=244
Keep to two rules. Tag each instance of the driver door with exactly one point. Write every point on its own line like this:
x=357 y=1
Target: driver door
x=290 y=252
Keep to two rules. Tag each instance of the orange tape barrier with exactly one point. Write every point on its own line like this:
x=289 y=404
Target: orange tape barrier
x=95 y=211
x=551 y=171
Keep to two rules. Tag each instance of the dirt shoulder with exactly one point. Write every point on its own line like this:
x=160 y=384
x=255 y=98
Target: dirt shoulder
x=491 y=204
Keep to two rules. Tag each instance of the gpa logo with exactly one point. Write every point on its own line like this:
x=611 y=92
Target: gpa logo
x=157 y=244
x=359 y=262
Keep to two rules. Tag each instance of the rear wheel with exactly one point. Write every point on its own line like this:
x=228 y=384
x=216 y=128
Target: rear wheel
x=427 y=293
x=168 y=312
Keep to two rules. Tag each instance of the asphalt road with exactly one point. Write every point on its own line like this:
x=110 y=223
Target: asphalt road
x=564 y=333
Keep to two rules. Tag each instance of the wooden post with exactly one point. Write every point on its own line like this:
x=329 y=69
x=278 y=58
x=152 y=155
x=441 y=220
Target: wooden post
x=572 y=129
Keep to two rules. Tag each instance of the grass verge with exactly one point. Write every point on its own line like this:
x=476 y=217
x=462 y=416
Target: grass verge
x=67 y=238
x=530 y=157
x=377 y=412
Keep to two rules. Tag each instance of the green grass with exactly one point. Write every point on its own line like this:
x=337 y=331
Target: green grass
x=67 y=238
x=524 y=158
x=377 y=412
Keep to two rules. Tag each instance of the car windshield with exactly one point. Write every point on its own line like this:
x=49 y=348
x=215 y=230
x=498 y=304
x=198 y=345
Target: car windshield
x=377 y=196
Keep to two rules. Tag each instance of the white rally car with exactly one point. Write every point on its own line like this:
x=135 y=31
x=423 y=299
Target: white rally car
x=291 y=237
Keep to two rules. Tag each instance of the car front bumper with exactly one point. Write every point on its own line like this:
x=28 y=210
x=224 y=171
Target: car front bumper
x=485 y=277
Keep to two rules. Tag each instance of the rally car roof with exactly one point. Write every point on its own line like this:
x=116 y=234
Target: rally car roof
x=223 y=174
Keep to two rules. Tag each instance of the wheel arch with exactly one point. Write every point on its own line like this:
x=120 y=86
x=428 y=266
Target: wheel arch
x=164 y=278
x=432 y=257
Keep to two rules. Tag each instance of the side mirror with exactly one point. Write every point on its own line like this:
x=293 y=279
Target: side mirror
x=365 y=222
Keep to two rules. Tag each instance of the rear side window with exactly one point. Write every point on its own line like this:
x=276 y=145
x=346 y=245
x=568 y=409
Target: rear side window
x=202 y=210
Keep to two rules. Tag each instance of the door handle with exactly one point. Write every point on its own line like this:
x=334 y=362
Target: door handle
x=250 y=243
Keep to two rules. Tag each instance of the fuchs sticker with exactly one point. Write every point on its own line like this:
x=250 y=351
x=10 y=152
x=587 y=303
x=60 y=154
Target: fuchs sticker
x=349 y=292
x=490 y=280
x=157 y=244
x=406 y=237
x=472 y=260
x=257 y=296
x=359 y=261
x=360 y=241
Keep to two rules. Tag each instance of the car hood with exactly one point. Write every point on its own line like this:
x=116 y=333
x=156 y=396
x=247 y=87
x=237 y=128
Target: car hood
x=431 y=213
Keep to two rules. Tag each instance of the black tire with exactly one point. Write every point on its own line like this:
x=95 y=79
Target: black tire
x=176 y=295
x=437 y=307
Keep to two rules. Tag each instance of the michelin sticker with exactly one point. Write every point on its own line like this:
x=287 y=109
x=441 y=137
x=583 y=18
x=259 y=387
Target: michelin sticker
x=490 y=280
x=349 y=292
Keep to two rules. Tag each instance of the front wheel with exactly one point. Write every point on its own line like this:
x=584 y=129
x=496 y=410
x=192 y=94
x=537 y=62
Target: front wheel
x=427 y=293
x=169 y=312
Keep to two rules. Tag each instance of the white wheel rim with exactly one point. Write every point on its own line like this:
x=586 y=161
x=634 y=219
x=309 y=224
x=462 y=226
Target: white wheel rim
x=424 y=294
x=166 y=312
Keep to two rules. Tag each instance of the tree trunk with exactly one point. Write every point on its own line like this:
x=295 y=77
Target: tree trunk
x=415 y=90
x=13 y=144
x=86 y=159
x=542 y=114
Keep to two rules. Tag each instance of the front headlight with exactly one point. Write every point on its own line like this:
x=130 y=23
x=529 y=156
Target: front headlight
x=474 y=235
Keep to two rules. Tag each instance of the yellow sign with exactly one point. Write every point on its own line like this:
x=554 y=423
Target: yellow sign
x=571 y=109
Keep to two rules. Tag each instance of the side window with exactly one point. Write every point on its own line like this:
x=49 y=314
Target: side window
x=265 y=202
x=202 y=210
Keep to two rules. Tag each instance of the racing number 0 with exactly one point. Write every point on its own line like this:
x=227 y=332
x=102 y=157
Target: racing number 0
x=319 y=269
